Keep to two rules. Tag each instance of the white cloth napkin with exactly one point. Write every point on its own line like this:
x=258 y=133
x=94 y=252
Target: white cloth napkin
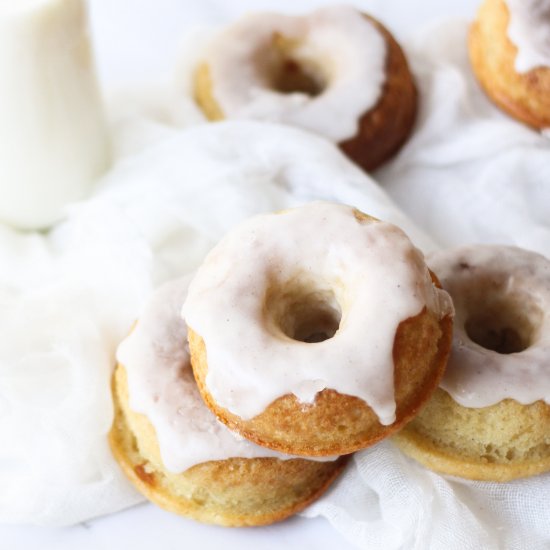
x=385 y=500
x=67 y=298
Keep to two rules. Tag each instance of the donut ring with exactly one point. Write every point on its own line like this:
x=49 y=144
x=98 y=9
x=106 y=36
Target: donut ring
x=335 y=422
x=380 y=129
x=524 y=96
x=490 y=420
x=255 y=488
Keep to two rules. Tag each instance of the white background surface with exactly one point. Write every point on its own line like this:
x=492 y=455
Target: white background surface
x=138 y=41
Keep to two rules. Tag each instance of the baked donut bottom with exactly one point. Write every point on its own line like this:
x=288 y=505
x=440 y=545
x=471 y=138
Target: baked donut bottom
x=382 y=130
x=501 y=442
x=337 y=424
x=524 y=96
x=233 y=492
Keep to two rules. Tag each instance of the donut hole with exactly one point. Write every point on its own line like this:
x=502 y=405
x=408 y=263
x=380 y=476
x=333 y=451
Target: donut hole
x=287 y=73
x=310 y=316
x=505 y=324
x=293 y=76
x=312 y=322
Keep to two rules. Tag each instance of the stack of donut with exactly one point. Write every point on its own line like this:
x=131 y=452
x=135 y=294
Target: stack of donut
x=302 y=350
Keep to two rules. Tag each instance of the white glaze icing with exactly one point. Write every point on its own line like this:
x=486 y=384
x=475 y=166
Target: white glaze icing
x=476 y=278
x=370 y=270
x=344 y=46
x=162 y=387
x=53 y=135
x=529 y=31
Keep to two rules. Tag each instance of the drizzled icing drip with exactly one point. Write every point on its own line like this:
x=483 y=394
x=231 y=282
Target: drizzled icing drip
x=304 y=300
x=341 y=48
x=162 y=387
x=529 y=30
x=502 y=299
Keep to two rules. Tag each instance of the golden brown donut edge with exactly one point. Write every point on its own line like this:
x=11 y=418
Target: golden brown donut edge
x=525 y=97
x=338 y=424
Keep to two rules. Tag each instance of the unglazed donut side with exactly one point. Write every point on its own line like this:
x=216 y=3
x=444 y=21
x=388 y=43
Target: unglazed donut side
x=232 y=492
x=526 y=97
x=497 y=443
x=340 y=424
x=204 y=96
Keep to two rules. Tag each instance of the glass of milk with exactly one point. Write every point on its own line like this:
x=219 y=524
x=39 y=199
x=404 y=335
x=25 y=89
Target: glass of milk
x=53 y=135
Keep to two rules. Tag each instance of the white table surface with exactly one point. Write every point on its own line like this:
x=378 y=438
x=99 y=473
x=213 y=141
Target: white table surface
x=138 y=41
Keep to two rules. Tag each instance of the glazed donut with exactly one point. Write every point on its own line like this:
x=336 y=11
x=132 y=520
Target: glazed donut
x=175 y=452
x=336 y=72
x=490 y=419
x=510 y=54
x=316 y=331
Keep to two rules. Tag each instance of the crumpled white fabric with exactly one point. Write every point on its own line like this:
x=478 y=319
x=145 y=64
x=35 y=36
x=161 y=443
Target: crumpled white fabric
x=385 y=500
x=469 y=174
